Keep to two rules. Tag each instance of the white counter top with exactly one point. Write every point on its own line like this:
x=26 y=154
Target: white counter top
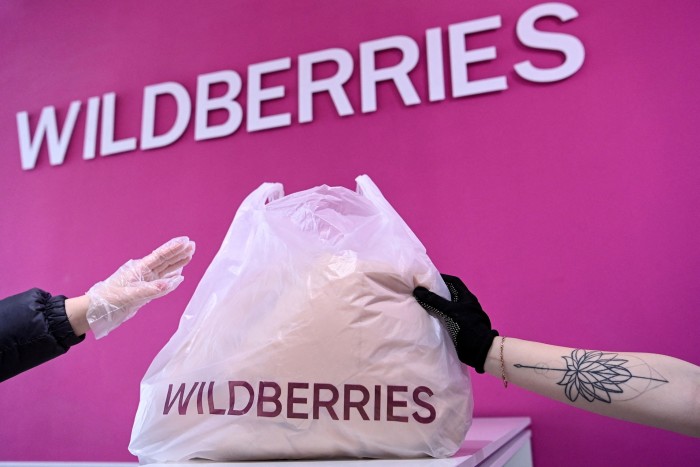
x=490 y=442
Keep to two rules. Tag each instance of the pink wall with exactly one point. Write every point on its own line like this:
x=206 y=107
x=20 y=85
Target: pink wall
x=570 y=208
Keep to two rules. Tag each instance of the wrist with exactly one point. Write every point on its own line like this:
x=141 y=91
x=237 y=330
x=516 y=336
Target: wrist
x=76 y=310
x=473 y=349
x=492 y=365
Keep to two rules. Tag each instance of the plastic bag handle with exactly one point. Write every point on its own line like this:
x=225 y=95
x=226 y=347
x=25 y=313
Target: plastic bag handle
x=254 y=202
x=368 y=189
x=263 y=194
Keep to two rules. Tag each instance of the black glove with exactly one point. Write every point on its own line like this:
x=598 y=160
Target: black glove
x=464 y=318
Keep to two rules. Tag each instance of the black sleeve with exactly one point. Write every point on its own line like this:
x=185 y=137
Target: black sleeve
x=34 y=329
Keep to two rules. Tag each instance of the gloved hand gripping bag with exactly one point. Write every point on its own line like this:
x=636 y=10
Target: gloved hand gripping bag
x=303 y=340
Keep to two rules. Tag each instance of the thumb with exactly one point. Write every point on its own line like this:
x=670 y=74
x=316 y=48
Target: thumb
x=144 y=292
x=429 y=300
x=167 y=284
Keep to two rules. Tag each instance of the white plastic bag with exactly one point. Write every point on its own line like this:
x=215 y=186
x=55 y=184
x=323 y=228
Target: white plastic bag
x=303 y=340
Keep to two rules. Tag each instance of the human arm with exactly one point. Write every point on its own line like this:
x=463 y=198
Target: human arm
x=651 y=389
x=33 y=329
x=111 y=302
x=36 y=327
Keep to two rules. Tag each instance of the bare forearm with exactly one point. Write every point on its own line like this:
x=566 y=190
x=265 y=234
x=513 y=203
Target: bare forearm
x=650 y=389
x=76 y=310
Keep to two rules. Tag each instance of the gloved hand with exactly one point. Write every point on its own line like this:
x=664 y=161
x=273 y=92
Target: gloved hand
x=136 y=283
x=466 y=321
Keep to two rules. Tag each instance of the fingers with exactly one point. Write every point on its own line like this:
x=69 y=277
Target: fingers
x=166 y=269
x=172 y=274
x=166 y=285
x=171 y=251
x=137 y=295
x=459 y=291
x=427 y=298
x=169 y=257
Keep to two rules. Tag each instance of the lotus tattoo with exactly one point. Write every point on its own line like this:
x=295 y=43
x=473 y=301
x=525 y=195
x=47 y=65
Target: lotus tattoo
x=596 y=375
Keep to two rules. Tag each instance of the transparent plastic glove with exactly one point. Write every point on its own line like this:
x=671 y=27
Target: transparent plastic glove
x=136 y=283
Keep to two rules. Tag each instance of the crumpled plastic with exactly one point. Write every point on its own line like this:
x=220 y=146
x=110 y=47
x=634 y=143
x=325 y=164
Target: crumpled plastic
x=303 y=340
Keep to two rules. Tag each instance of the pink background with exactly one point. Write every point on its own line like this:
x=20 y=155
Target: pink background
x=571 y=208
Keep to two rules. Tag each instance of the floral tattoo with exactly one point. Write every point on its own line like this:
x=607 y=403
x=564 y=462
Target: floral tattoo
x=600 y=376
